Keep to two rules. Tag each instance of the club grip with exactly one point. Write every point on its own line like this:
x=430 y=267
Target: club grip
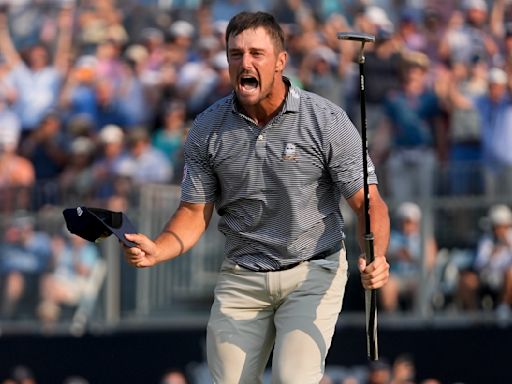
x=371 y=305
x=368 y=247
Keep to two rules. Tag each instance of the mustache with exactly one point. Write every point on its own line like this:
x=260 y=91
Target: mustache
x=246 y=73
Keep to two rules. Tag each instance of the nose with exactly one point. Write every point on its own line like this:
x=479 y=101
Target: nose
x=246 y=60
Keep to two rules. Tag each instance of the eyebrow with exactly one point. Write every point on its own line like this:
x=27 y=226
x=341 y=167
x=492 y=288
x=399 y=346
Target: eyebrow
x=251 y=50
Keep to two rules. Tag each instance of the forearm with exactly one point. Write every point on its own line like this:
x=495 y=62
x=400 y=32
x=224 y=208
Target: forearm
x=6 y=45
x=182 y=231
x=379 y=223
x=64 y=39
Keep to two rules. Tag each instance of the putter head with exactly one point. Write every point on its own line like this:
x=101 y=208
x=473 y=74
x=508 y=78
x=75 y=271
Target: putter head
x=357 y=36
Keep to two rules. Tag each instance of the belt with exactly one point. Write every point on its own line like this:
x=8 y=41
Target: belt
x=320 y=255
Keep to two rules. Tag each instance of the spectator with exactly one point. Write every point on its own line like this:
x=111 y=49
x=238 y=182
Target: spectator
x=37 y=81
x=173 y=376
x=221 y=85
x=382 y=74
x=170 y=138
x=46 y=147
x=433 y=30
x=108 y=107
x=408 y=254
x=414 y=120
x=372 y=18
x=144 y=163
x=464 y=85
x=409 y=32
x=153 y=39
x=76 y=179
x=99 y=21
x=24 y=256
x=181 y=37
x=467 y=36
x=66 y=284
x=197 y=77
x=495 y=114
x=403 y=370
x=320 y=73
x=78 y=95
x=131 y=95
x=106 y=165
x=21 y=374
x=488 y=283
x=379 y=372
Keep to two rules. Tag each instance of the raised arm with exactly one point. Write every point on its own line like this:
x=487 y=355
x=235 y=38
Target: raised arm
x=64 y=39
x=181 y=233
x=7 y=47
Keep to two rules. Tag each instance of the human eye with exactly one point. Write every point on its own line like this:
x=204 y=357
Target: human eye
x=234 y=55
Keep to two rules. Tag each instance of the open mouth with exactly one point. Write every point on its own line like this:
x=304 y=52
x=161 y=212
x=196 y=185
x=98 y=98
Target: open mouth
x=248 y=83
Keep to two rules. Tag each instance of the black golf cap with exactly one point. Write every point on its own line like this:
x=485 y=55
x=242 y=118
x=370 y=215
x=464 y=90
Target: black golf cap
x=94 y=224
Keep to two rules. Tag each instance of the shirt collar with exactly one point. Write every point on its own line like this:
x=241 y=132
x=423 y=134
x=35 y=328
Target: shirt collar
x=292 y=98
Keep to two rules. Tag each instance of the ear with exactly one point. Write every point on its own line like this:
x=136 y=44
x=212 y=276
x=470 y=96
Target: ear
x=282 y=59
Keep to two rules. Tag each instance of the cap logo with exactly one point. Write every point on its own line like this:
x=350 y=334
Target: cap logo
x=79 y=211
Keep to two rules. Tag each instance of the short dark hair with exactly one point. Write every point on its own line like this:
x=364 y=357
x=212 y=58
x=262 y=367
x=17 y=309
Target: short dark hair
x=252 y=20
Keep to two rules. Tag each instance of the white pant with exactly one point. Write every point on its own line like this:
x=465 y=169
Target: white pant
x=294 y=311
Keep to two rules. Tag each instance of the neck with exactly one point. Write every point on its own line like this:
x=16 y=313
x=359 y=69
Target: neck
x=269 y=107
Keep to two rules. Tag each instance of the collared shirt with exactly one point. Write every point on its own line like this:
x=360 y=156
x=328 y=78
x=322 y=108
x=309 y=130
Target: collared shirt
x=276 y=188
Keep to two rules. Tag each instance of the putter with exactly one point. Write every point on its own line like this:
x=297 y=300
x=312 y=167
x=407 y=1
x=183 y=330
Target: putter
x=370 y=294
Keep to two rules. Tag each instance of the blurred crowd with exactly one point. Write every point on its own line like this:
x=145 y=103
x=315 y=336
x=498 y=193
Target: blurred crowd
x=401 y=370
x=97 y=96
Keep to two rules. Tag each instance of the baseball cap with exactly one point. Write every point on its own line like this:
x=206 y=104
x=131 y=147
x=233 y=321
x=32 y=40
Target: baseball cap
x=95 y=224
x=409 y=210
x=497 y=76
x=111 y=134
x=500 y=214
x=182 y=28
x=480 y=5
x=377 y=15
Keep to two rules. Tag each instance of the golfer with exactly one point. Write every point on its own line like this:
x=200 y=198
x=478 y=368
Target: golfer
x=274 y=161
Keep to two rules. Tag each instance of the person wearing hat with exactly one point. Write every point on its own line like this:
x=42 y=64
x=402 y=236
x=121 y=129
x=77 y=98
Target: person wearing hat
x=66 y=283
x=414 y=122
x=487 y=283
x=408 y=255
x=467 y=35
x=495 y=113
x=319 y=73
x=26 y=253
x=144 y=163
x=112 y=152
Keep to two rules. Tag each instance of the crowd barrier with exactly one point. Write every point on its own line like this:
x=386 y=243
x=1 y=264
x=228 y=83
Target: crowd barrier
x=181 y=290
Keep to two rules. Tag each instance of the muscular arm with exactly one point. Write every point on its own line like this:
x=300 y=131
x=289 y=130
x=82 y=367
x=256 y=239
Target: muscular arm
x=180 y=234
x=375 y=274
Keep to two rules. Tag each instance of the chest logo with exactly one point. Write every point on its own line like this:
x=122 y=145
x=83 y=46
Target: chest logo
x=290 y=152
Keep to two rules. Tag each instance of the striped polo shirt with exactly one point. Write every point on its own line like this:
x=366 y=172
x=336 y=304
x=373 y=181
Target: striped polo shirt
x=276 y=188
